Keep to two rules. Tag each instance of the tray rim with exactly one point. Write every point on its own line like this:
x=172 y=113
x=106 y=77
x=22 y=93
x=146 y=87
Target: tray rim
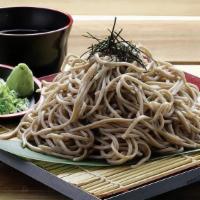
x=69 y=190
x=43 y=176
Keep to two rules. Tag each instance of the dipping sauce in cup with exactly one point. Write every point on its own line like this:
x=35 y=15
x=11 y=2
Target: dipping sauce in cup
x=35 y=36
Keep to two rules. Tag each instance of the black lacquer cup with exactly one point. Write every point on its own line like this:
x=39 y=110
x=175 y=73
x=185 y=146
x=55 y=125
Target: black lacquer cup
x=35 y=36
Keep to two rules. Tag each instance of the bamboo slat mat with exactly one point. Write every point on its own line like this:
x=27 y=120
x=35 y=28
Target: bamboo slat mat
x=106 y=181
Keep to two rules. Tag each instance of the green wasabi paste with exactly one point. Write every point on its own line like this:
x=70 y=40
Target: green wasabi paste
x=21 y=80
x=13 y=92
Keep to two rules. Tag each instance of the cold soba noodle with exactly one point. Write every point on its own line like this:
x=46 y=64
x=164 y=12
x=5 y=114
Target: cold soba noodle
x=105 y=108
x=115 y=111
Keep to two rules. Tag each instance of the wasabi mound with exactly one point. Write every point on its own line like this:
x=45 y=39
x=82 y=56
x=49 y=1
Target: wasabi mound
x=21 y=80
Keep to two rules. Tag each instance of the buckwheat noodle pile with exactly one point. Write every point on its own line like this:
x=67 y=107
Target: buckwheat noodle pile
x=116 y=111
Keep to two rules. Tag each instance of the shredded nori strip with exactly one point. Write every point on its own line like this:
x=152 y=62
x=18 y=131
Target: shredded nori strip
x=116 y=47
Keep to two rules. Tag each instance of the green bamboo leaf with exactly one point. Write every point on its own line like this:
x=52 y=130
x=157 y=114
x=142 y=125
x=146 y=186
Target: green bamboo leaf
x=188 y=152
x=14 y=147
